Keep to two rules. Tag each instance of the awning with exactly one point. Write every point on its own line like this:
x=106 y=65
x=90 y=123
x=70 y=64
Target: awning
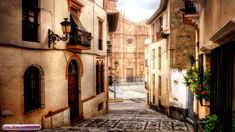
x=113 y=21
x=74 y=16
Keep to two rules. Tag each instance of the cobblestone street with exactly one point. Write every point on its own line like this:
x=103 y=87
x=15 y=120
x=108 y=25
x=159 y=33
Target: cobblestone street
x=129 y=115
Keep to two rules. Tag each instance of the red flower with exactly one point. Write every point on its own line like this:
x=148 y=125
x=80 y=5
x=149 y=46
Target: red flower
x=203 y=93
x=206 y=85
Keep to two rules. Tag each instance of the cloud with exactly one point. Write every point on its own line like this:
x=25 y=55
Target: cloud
x=138 y=10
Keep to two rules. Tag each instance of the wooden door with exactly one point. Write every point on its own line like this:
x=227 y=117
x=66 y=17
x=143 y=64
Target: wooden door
x=73 y=92
x=129 y=75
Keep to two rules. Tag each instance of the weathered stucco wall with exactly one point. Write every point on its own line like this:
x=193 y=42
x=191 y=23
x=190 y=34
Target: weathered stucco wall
x=163 y=73
x=14 y=62
x=179 y=91
x=17 y=55
x=213 y=16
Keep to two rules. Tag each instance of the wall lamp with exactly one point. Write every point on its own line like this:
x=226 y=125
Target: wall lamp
x=52 y=37
x=116 y=64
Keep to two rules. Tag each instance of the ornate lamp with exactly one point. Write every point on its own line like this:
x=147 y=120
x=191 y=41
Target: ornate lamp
x=66 y=27
x=116 y=64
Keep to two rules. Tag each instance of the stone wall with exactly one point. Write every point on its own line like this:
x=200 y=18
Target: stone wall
x=182 y=37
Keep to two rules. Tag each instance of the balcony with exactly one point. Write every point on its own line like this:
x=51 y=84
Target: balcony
x=190 y=15
x=79 y=40
x=79 y=37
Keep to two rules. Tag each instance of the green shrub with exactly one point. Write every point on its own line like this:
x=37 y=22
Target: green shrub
x=211 y=123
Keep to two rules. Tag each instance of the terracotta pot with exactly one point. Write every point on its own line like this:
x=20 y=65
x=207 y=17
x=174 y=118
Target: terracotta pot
x=204 y=102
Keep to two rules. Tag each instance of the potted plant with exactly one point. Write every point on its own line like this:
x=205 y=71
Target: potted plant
x=211 y=123
x=90 y=37
x=233 y=121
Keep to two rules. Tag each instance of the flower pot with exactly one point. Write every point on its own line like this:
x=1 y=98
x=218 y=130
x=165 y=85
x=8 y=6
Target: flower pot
x=204 y=102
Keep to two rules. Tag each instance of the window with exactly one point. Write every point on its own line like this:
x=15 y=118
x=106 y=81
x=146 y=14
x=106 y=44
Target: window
x=159 y=58
x=153 y=87
x=30 y=10
x=161 y=22
x=153 y=58
x=100 y=106
x=160 y=85
x=167 y=84
x=99 y=76
x=100 y=35
x=33 y=91
x=153 y=32
x=167 y=49
x=153 y=83
x=153 y=99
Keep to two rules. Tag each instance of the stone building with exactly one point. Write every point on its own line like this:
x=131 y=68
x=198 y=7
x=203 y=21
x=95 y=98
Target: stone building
x=171 y=43
x=128 y=51
x=214 y=26
x=48 y=83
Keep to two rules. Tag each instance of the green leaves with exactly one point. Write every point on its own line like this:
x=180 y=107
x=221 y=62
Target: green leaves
x=199 y=86
x=211 y=123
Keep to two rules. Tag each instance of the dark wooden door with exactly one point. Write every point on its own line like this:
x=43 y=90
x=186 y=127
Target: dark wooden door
x=73 y=92
x=129 y=75
x=222 y=84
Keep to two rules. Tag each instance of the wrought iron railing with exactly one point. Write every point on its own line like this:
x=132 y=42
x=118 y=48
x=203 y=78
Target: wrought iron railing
x=79 y=37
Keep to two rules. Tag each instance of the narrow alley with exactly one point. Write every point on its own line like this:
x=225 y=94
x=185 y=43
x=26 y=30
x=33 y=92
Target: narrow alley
x=128 y=114
x=117 y=65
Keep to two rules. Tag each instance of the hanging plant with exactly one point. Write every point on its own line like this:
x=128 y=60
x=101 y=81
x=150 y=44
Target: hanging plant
x=198 y=81
x=200 y=89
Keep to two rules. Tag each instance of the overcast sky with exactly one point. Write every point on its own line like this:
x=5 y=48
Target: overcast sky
x=138 y=10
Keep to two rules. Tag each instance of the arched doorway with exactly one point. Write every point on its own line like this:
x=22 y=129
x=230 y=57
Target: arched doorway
x=73 y=92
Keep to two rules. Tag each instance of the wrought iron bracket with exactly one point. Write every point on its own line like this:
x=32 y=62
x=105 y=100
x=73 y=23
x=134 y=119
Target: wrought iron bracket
x=52 y=37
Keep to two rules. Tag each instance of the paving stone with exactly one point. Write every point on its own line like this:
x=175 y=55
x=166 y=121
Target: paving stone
x=123 y=119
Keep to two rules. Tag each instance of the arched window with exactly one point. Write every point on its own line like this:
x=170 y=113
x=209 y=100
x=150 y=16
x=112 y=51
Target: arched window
x=33 y=88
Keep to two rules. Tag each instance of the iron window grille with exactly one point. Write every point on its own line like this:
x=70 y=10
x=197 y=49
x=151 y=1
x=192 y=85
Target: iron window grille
x=33 y=90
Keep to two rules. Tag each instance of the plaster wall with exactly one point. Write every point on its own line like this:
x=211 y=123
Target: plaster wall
x=214 y=14
x=17 y=55
x=179 y=91
x=163 y=72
